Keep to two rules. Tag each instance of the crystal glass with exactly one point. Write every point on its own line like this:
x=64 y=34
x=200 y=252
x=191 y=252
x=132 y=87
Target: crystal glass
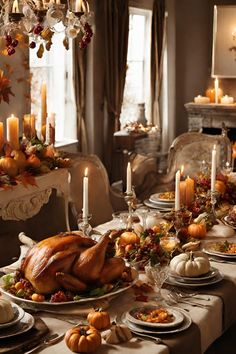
x=182 y=218
x=169 y=244
x=157 y=274
x=142 y=213
x=123 y=219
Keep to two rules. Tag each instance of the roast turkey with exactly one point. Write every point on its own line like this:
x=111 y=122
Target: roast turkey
x=72 y=261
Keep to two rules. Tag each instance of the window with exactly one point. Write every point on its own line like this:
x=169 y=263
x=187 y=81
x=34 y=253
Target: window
x=137 y=84
x=55 y=68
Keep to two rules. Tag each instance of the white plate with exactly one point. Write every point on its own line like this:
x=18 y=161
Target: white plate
x=157 y=198
x=211 y=274
x=156 y=206
x=18 y=315
x=46 y=304
x=24 y=325
x=141 y=329
x=216 y=279
x=228 y=222
x=208 y=249
x=162 y=204
x=178 y=317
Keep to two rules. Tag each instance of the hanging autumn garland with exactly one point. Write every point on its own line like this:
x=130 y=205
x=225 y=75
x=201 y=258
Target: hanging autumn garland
x=5 y=88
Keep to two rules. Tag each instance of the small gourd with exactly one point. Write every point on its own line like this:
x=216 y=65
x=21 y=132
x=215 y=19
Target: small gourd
x=118 y=333
x=9 y=166
x=190 y=264
x=128 y=238
x=20 y=159
x=196 y=230
x=83 y=339
x=99 y=319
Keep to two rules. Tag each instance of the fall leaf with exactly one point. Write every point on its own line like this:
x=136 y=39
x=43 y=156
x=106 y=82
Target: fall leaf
x=5 y=89
x=26 y=179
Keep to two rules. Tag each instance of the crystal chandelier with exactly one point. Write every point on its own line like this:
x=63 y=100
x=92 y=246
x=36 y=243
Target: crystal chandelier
x=41 y=19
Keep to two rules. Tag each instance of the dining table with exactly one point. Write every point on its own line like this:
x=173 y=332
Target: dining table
x=215 y=314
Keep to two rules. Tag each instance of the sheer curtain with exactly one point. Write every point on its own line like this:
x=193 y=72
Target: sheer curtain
x=158 y=31
x=116 y=30
x=79 y=65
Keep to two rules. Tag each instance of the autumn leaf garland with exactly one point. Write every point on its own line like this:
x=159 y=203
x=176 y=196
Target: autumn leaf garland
x=5 y=88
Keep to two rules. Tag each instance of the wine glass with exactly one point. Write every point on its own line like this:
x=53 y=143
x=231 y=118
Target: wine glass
x=182 y=218
x=157 y=274
x=169 y=244
x=142 y=213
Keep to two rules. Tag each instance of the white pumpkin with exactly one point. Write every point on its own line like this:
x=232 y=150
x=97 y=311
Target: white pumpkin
x=190 y=264
x=6 y=311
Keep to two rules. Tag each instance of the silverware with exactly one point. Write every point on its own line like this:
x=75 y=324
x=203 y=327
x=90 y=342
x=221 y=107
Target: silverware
x=51 y=340
x=153 y=339
x=221 y=261
x=176 y=299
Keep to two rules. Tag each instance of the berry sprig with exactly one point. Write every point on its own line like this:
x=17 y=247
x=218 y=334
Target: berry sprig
x=11 y=44
x=86 y=39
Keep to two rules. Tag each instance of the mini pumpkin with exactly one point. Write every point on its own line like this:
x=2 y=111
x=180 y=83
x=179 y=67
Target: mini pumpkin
x=197 y=230
x=33 y=161
x=83 y=339
x=220 y=187
x=190 y=264
x=119 y=333
x=20 y=159
x=99 y=319
x=9 y=166
x=128 y=238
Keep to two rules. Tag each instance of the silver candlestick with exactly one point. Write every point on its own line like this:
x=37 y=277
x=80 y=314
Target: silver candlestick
x=84 y=225
x=129 y=199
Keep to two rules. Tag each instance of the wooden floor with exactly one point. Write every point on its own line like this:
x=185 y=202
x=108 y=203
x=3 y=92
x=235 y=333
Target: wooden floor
x=226 y=344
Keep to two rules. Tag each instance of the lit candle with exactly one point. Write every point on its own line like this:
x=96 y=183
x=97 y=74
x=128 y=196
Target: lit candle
x=32 y=125
x=227 y=99
x=182 y=192
x=216 y=90
x=1 y=136
x=189 y=191
x=13 y=132
x=201 y=99
x=177 y=190
x=50 y=129
x=85 y=193
x=78 y=5
x=182 y=171
x=213 y=168
x=43 y=104
x=128 y=179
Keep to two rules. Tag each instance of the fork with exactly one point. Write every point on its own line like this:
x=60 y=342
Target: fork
x=51 y=340
x=175 y=298
x=153 y=339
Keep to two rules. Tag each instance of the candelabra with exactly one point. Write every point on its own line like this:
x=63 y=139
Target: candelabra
x=84 y=225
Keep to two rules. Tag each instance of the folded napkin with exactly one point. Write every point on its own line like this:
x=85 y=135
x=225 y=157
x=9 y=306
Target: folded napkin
x=25 y=341
x=220 y=230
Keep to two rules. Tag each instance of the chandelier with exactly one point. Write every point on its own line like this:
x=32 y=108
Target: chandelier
x=41 y=19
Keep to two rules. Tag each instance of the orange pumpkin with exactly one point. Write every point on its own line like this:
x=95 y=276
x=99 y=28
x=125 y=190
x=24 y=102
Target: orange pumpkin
x=220 y=187
x=9 y=166
x=20 y=159
x=99 y=319
x=128 y=238
x=83 y=339
x=33 y=161
x=197 y=230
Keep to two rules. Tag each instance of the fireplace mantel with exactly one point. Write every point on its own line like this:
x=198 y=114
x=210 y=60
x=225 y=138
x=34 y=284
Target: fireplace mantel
x=210 y=116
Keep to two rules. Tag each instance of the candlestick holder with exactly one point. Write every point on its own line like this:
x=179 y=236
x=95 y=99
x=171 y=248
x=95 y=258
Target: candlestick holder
x=84 y=225
x=213 y=195
x=130 y=197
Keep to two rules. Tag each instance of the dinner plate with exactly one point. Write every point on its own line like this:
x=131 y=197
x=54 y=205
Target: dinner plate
x=214 y=280
x=18 y=314
x=209 y=249
x=159 y=197
x=228 y=222
x=168 y=330
x=211 y=274
x=156 y=206
x=25 y=303
x=162 y=204
x=24 y=325
x=131 y=316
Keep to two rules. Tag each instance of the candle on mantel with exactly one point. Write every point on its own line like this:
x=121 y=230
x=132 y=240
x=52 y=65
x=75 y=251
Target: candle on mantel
x=85 y=193
x=189 y=191
x=227 y=100
x=27 y=126
x=213 y=168
x=43 y=105
x=32 y=125
x=50 y=129
x=182 y=192
x=177 y=190
x=128 y=179
x=201 y=99
x=216 y=84
x=1 y=136
x=13 y=132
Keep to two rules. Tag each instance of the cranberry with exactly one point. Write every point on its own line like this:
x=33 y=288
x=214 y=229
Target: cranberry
x=32 y=45
x=38 y=29
x=14 y=43
x=8 y=39
x=10 y=50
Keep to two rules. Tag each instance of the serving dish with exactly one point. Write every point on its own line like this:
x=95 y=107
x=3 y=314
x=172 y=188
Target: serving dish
x=226 y=220
x=167 y=197
x=186 y=323
x=175 y=315
x=24 y=325
x=219 y=249
x=18 y=315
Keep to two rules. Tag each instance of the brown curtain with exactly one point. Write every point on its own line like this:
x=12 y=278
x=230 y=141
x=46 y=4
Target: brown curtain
x=158 y=31
x=116 y=30
x=79 y=60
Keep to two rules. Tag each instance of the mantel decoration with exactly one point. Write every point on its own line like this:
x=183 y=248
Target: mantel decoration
x=41 y=19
